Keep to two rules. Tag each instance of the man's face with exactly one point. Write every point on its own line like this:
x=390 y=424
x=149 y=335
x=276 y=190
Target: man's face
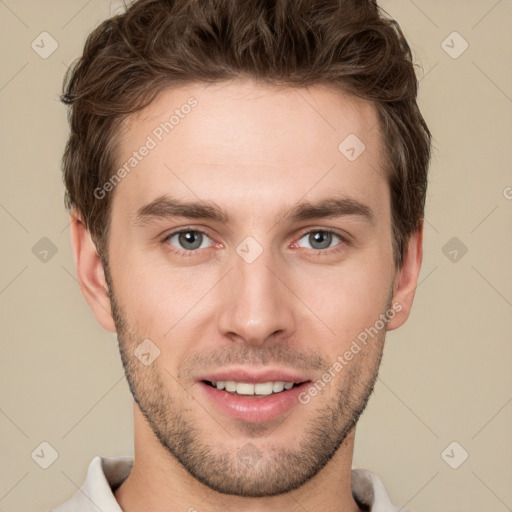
x=271 y=293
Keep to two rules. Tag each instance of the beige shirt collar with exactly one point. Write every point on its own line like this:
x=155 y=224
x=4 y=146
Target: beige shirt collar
x=105 y=474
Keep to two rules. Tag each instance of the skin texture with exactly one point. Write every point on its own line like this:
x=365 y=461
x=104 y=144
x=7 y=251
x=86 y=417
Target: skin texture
x=255 y=151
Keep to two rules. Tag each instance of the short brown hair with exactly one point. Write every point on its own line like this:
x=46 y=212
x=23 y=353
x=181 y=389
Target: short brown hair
x=351 y=45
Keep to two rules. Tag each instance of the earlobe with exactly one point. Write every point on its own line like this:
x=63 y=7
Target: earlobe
x=407 y=279
x=90 y=273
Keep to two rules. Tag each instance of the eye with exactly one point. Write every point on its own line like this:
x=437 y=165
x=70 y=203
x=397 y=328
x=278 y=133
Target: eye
x=321 y=239
x=188 y=239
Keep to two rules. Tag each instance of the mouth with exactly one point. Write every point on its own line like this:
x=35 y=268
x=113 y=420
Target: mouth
x=253 y=397
x=250 y=389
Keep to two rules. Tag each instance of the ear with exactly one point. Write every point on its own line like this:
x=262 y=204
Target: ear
x=406 y=279
x=90 y=273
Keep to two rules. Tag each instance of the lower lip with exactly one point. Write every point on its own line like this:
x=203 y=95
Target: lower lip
x=252 y=408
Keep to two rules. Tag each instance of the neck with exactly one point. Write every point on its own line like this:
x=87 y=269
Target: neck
x=159 y=483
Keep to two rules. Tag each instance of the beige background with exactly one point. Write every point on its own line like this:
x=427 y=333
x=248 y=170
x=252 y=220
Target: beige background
x=445 y=375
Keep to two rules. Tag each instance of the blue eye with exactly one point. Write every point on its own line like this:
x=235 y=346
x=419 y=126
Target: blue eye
x=188 y=239
x=320 y=239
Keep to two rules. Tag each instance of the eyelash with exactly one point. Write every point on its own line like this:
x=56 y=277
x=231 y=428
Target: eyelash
x=181 y=252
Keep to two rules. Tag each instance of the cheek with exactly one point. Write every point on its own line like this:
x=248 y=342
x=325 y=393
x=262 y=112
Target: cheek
x=347 y=299
x=167 y=305
x=173 y=306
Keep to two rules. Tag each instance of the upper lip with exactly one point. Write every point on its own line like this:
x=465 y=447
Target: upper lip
x=255 y=375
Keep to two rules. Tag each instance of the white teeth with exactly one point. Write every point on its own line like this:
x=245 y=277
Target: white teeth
x=263 y=388
x=247 y=388
x=244 y=388
x=230 y=386
x=277 y=387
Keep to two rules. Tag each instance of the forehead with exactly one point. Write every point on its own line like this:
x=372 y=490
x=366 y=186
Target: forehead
x=246 y=138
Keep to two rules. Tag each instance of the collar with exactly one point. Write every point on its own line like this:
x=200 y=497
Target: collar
x=106 y=474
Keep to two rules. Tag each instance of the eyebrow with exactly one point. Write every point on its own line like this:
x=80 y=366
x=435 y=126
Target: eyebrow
x=168 y=207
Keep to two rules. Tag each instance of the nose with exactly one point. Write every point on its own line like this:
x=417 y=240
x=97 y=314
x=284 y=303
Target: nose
x=257 y=302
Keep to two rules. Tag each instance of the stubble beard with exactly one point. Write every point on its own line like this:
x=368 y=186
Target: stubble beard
x=249 y=471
